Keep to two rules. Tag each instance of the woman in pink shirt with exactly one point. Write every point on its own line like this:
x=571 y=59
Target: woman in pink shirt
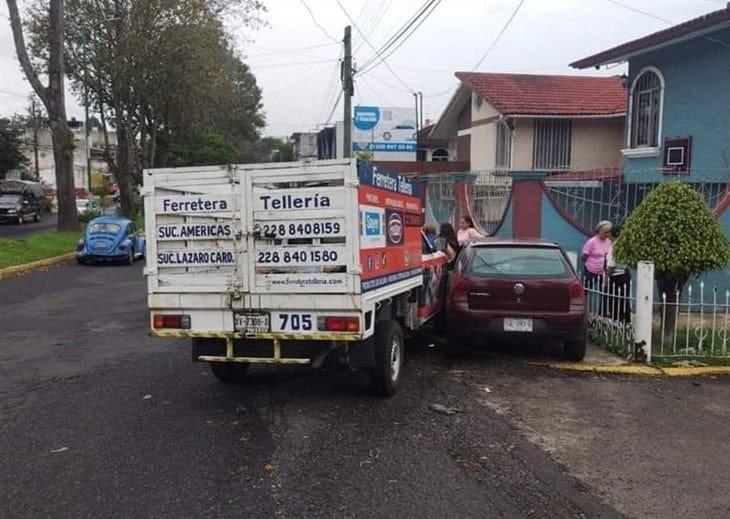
x=467 y=232
x=595 y=251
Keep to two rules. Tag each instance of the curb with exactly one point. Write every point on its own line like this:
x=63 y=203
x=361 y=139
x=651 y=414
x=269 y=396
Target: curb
x=642 y=370
x=19 y=270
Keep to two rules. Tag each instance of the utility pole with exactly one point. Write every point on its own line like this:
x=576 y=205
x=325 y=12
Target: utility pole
x=348 y=89
x=34 y=115
x=86 y=111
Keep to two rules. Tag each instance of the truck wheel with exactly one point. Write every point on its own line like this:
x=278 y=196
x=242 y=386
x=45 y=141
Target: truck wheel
x=229 y=371
x=385 y=376
x=574 y=351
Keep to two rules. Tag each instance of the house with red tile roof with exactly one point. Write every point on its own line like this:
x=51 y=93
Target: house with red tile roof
x=544 y=122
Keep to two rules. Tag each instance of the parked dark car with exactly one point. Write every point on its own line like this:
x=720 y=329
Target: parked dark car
x=517 y=289
x=20 y=201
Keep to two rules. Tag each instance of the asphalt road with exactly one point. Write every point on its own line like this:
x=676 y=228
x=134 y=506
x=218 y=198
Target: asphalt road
x=14 y=230
x=98 y=419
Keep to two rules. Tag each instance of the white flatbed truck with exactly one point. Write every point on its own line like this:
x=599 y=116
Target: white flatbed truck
x=289 y=263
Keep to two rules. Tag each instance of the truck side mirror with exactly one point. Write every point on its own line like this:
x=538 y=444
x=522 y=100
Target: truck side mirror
x=440 y=244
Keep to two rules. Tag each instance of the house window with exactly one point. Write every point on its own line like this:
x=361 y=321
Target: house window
x=552 y=144
x=646 y=102
x=504 y=146
x=440 y=155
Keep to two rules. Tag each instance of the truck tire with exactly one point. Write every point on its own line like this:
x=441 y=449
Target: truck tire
x=574 y=351
x=229 y=371
x=385 y=376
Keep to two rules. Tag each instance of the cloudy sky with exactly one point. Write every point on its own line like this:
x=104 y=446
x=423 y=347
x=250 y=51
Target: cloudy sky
x=296 y=61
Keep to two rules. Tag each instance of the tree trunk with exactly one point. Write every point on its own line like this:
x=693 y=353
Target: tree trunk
x=672 y=288
x=53 y=98
x=124 y=176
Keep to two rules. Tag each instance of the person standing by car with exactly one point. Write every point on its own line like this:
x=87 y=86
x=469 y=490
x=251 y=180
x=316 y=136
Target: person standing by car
x=429 y=231
x=467 y=231
x=594 y=253
x=452 y=243
x=619 y=286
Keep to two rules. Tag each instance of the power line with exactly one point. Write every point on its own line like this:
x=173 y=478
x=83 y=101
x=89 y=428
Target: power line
x=314 y=19
x=669 y=22
x=486 y=53
x=362 y=35
x=645 y=13
x=334 y=107
x=287 y=51
x=499 y=36
x=400 y=37
x=295 y=63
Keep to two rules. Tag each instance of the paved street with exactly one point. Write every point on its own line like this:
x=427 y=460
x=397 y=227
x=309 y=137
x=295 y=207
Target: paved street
x=96 y=417
x=13 y=230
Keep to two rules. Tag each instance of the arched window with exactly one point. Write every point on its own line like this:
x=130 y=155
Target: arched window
x=646 y=107
x=440 y=155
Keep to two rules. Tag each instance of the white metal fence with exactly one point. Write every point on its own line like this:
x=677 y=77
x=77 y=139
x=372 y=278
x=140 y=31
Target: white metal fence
x=696 y=327
x=627 y=318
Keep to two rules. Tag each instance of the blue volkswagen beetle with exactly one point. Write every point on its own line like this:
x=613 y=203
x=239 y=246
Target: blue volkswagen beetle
x=110 y=238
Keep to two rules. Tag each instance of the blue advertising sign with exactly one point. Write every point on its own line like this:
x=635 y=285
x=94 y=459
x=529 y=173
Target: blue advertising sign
x=370 y=175
x=366 y=117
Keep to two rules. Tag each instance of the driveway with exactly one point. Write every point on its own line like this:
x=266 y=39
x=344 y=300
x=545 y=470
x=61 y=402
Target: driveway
x=97 y=416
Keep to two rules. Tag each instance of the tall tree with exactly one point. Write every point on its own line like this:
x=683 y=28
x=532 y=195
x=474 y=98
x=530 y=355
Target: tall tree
x=53 y=98
x=154 y=68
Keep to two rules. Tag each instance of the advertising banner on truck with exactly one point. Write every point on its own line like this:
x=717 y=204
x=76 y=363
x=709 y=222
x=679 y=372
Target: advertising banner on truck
x=390 y=227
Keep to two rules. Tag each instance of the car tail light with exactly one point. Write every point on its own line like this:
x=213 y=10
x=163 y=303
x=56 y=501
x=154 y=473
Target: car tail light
x=338 y=324
x=460 y=289
x=577 y=296
x=177 y=321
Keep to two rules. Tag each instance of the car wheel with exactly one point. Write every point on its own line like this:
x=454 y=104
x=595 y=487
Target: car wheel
x=574 y=351
x=229 y=371
x=130 y=259
x=80 y=260
x=385 y=376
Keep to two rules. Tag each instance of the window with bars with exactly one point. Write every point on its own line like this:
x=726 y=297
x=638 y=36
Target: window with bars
x=551 y=149
x=646 y=99
x=504 y=146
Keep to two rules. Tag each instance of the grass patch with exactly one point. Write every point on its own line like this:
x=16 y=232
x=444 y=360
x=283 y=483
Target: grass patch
x=36 y=247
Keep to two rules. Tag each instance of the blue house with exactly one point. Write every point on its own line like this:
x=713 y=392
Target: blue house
x=678 y=113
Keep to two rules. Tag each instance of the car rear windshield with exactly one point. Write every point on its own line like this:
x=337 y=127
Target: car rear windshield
x=507 y=261
x=104 y=228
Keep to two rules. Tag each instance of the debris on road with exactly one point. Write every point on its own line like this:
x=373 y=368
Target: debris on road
x=487 y=389
x=60 y=449
x=147 y=397
x=439 y=408
x=269 y=467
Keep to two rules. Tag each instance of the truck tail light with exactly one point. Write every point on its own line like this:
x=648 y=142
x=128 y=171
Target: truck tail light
x=577 y=297
x=338 y=324
x=177 y=321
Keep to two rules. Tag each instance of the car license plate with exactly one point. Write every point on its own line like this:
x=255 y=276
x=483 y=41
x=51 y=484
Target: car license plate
x=251 y=323
x=517 y=325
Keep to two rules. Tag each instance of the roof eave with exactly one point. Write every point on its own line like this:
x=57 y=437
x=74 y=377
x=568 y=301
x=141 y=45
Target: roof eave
x=608 y=57
x=567 y=116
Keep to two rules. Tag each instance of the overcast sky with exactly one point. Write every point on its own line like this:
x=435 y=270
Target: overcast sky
x=300 y=85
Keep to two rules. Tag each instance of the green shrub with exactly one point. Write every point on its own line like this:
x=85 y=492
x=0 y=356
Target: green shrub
x=675 y=229
x=87 y=216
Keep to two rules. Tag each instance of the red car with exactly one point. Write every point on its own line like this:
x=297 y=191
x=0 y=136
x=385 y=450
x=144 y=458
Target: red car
x=517 y=289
